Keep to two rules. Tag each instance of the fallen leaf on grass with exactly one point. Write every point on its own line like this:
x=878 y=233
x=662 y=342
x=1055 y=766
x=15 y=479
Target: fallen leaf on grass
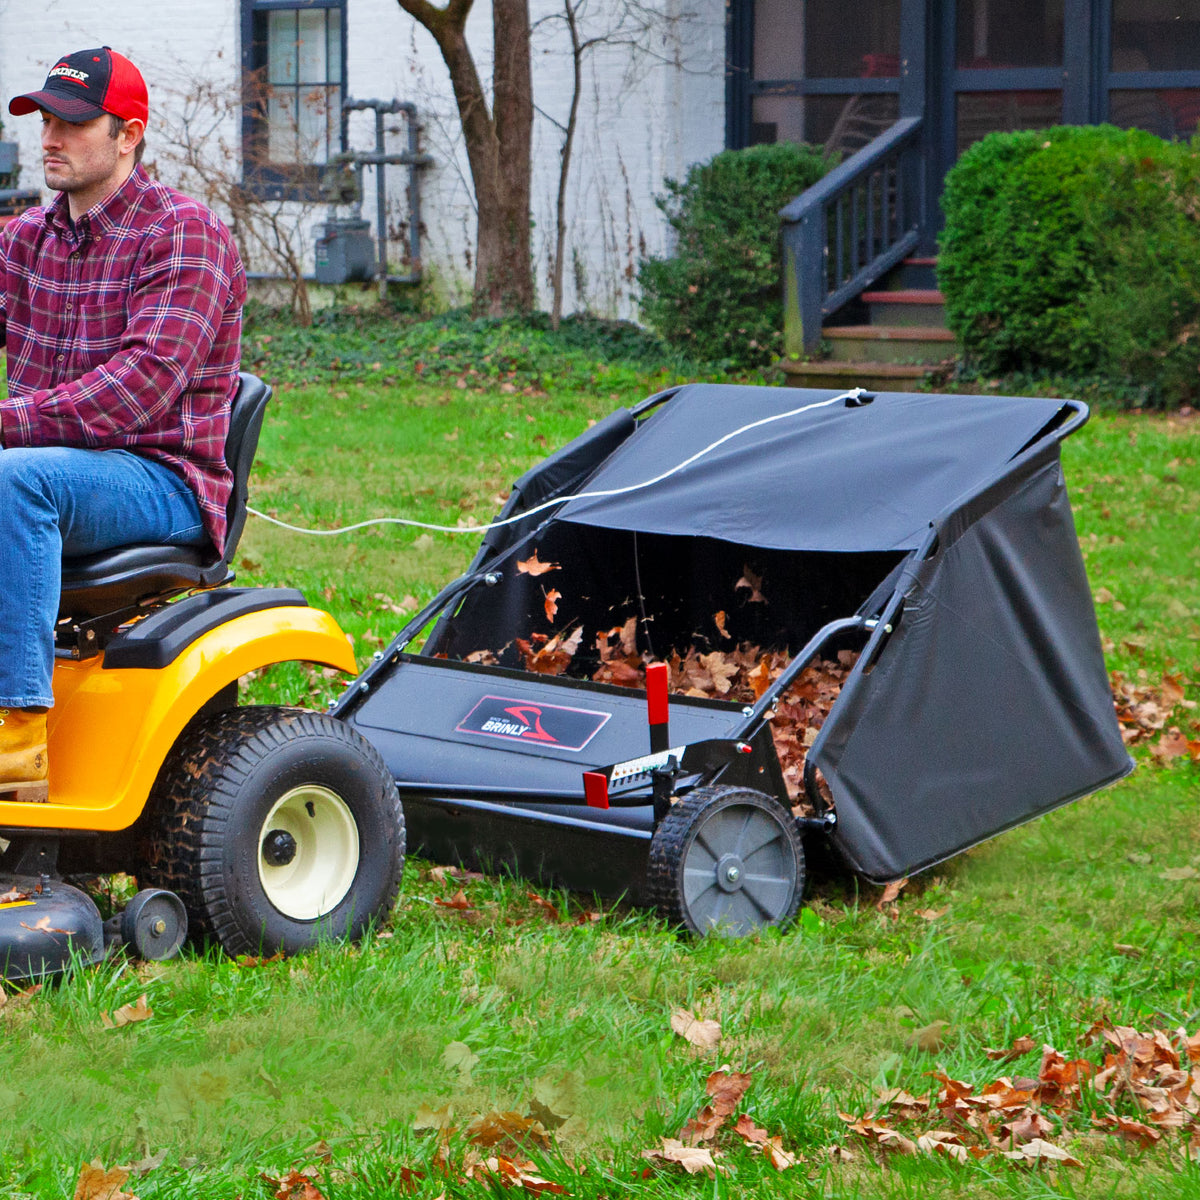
x=512 y=1172
x=458 y=1056
x=458 y=901
x=840 y=1153
x=128 y=1014
x=1173 y=744
x=727 y=1089
x=1026 y=1128
x=249 y=960
x=777 y=1156
x=903 y=1104
x=1041 y=1151
x=1021 y=1045
x=1179 y=874
x=432 y=1118
x=295 y=1185
x=145 y=1165
x=17 y=1000
x=1134 y=1131
x=880 y=1133
x=757 y=1138
x=943 y=1141
x=693 y=1159
x=96 y=1183
x=929 y=1039
x=460 y=874
x=932 y=914
x=891 y=893
x=549 y=909
x=509 y=1129
x=703 y=1034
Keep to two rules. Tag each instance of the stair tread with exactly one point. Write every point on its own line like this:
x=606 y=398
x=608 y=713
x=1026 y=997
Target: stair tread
x=881 y=333
x=828 y=366
x=905 y=296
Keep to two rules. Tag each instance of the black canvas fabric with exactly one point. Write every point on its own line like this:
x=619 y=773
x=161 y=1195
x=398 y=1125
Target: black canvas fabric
x=990 y=703
x=832 y=478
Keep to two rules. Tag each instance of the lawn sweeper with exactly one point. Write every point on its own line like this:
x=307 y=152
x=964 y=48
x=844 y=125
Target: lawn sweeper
x=924 y=543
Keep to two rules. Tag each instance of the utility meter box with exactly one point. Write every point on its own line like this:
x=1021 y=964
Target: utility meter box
x=345 y=251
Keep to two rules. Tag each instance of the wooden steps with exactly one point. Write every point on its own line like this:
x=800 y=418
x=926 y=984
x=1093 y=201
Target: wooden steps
x=905 y=338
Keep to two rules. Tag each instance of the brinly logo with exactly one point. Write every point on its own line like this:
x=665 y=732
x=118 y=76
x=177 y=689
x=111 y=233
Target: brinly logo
x=523 y=721
x=69 y=73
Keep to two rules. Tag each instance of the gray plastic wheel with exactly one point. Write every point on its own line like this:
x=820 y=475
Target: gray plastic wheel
x=154 y=924
x=727 y=860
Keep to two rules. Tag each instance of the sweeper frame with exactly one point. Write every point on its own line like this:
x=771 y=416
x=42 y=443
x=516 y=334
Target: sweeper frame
x=931 y=535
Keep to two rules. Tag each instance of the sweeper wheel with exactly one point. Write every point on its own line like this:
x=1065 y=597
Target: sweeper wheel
x=727 y=860
x=277 y=827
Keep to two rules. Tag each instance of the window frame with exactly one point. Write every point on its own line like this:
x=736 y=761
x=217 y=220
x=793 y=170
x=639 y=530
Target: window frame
x=268 y=181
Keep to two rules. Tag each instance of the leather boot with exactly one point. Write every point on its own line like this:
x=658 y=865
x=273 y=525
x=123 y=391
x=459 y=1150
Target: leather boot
x=24 y=761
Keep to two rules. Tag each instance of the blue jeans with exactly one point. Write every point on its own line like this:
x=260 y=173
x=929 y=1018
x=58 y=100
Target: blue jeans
x=56 y=501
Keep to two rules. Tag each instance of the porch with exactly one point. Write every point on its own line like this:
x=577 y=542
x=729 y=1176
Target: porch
x=899 y=92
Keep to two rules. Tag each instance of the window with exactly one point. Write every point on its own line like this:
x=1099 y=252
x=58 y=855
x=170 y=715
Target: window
x=1152 y=66
x=803 y=72
x=294 y=85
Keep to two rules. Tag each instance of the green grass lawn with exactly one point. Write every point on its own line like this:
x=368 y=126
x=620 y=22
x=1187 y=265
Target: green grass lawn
x=349 y=1060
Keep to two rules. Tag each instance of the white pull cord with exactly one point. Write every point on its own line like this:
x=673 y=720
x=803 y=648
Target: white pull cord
x=853 y=394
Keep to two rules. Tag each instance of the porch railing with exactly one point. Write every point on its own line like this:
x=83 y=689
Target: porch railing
x=849 y=228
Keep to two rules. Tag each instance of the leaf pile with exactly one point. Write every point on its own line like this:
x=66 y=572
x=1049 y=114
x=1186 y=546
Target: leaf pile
x=1148 y=1086
x=740 y=674
x=1144 y=710
x=698 y=1146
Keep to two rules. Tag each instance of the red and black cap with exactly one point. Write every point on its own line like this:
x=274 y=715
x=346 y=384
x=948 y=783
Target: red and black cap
x=86 y=84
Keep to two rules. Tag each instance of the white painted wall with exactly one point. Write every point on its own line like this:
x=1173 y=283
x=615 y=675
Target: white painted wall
x=646 y=114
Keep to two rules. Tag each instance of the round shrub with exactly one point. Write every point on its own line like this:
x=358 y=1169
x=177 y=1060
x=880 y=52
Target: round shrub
x=719 y=297
x=1076 y=251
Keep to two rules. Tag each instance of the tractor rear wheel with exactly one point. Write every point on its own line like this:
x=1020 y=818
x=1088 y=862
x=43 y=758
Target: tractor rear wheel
x=727 y=860
x=277 y=827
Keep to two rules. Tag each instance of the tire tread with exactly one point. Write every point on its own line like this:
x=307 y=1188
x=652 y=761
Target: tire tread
x=194 y=796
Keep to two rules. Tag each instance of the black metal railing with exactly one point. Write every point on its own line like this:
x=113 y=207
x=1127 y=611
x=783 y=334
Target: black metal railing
x=848 y=229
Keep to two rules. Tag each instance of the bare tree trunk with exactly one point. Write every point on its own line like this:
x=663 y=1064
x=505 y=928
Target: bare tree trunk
x=499 y=144
x=560 y=230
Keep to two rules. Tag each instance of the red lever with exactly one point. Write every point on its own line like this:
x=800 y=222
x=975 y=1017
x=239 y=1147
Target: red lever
x=595 y=789
x=657 y=680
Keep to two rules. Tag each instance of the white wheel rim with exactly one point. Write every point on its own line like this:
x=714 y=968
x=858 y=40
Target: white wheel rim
x=320 y=873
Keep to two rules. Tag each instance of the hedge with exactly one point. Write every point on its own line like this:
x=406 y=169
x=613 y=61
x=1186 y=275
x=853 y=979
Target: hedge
x=719 y=296
x=1076 y=251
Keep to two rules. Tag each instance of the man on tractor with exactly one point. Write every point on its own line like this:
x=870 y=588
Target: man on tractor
x=121 y=307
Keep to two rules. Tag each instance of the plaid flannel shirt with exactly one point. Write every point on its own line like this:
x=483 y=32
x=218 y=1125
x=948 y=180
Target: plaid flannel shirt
x=123 y=331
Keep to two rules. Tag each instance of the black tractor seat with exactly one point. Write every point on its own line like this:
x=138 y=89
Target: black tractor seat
x=128 y=577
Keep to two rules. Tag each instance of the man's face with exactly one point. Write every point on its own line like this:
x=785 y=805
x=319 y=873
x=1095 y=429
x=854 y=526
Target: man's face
x=79 y=158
